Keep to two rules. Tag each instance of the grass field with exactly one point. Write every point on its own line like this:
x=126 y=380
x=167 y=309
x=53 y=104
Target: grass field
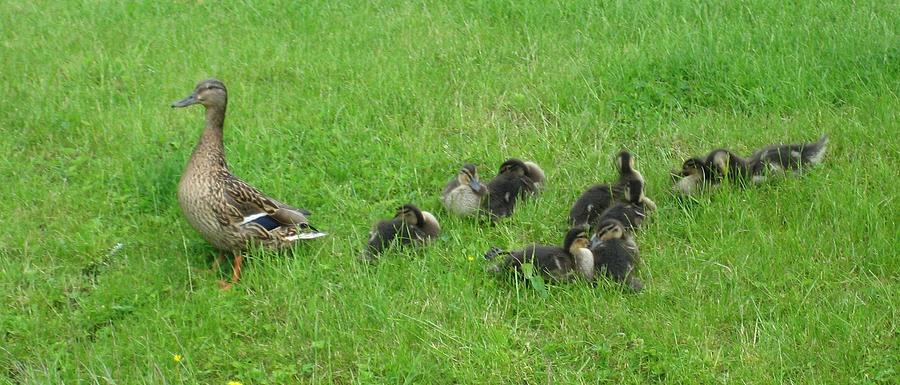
x=352 y=110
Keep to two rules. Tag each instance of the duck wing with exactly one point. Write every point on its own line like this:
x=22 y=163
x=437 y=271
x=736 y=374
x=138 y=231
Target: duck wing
x=248 y=204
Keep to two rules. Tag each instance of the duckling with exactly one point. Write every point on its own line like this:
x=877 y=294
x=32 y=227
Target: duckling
x=557 y=264
x=630 y=177
x=616 y=253
x=464 y=194
x=513 y=182
x=536 y=174
x=716 y=166
x=721 y=164
x=229 y=213
x=788 y=157
x=588 y=207
x=631 y=213
x=599 y=197
x=410 y=226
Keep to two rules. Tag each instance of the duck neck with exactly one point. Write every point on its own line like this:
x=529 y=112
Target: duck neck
x=210 y=150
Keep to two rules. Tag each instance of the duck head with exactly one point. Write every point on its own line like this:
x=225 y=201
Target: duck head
x=634 y=191
x=513 y=166
x=625 y=163
x=469 y=176
x=211 y=93
x=607 y=230
x=693 y=172
x=410 y=214
x=576 y=238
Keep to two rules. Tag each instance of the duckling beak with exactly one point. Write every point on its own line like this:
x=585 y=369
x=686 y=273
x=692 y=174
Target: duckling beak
x=190 y=100
x=475 y=185
x=594 y=242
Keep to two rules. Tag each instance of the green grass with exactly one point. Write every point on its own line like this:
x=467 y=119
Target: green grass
x=352 y=110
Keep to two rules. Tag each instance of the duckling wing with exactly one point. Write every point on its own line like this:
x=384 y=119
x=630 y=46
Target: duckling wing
x=451 y=185
x=590 y=205
x=552 y=261
x=382 y=234
x=617 y=259
x=792 y=156
x=503 y=191
x=528 y=186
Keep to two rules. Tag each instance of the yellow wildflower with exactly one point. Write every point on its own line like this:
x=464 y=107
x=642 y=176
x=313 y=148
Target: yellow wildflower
x=234 y=383
x=177 y=358
x=471 y=258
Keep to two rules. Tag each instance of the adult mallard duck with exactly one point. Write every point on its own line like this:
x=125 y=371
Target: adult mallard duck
x=229 y=213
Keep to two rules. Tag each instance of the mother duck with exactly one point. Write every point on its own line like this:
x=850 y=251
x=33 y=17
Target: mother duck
x=229 y=213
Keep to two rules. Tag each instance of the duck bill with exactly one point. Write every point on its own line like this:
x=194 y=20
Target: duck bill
x=475 y=185
x=188 y=101
x=594 y=242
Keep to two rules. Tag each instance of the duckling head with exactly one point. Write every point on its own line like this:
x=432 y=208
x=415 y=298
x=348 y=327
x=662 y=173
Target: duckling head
x=625 y=163
x=410 y=214
x=634 y=191
x=468 y=176
x=211 y=93
x=513 y=166
x=607 y=230
x=576 y=238
x=690 y=177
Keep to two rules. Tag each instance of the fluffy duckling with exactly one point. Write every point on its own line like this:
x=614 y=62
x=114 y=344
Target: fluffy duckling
x=721 y=164
x=615 y=253
x=464 y=194
x=631 y=213
x=629 y=177
x=513 y=182
x=557 y=264
x=410 y=226
x=788 y=157
x=588 y=207
x=536 y=174
x=598 y=198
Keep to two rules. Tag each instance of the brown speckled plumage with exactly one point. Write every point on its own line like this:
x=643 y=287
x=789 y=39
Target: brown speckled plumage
x=229 y=213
